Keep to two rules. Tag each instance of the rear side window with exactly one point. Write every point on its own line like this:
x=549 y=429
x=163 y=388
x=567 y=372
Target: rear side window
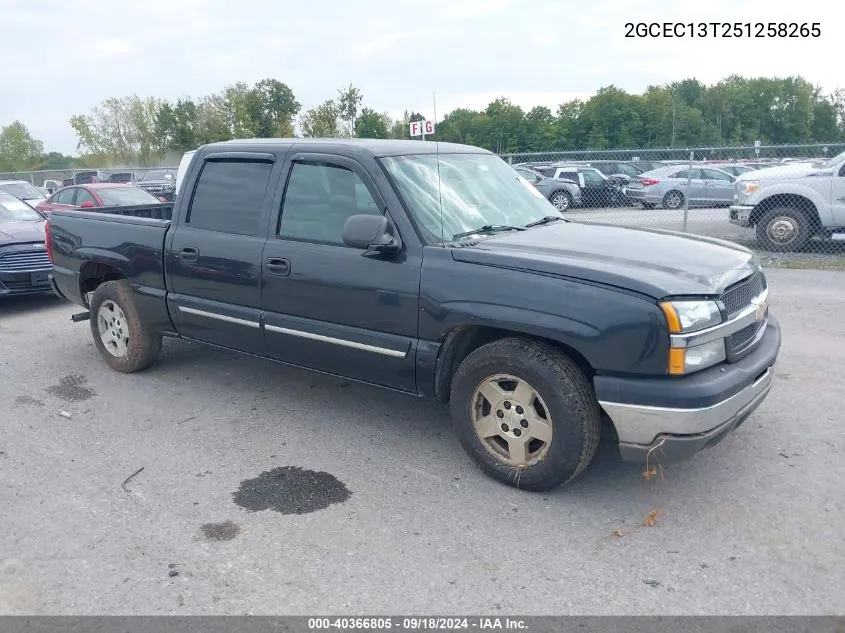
x=229 y=197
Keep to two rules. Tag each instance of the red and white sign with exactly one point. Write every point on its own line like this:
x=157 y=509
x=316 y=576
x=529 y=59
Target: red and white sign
x=422 y=128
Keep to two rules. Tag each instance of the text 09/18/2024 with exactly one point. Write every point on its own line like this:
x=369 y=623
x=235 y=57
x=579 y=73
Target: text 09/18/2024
x=767 y=30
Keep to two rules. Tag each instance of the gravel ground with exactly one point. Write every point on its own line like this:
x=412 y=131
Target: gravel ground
x=158 y=493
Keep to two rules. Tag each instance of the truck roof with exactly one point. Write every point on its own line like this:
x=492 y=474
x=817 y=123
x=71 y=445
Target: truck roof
x=376 y=147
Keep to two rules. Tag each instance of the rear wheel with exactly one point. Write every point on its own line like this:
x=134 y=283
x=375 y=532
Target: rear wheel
x=673 y=200
x=120 y=336
x=525 y=413
x=561 y=200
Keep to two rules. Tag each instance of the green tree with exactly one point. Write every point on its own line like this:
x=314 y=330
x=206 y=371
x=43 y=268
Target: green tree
x=18 y=148
x=272 y=107
x=348 y=102
x=123 y=129
x=322 y=121
x=371 y=124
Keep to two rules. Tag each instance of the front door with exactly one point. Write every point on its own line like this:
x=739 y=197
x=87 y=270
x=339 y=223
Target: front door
x=719 y=187
x=837 y=198
x=330 y=307
x=214 y=257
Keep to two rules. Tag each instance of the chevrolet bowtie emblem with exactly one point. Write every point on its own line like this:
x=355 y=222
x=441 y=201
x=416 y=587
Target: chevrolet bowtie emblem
x=760 y=312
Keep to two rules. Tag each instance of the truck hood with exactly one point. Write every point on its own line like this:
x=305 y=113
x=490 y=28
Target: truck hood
x=651 y=262
x=21 y=232
x=793 y=170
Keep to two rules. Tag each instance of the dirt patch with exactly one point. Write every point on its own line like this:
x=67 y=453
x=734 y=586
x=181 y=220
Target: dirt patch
x=28 y=401
x=291 y=490
x=225 y=531
x=71 y=389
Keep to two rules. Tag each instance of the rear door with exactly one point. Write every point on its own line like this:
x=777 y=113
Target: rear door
x=328 y=306
x=214 y=254
x=63 y=199
x=691 y=183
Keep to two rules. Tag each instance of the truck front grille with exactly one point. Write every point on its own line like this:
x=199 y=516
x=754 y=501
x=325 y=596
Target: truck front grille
x=21 y=261
x=739 y=296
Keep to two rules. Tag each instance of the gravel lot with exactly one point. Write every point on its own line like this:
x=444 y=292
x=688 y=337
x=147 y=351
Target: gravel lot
x=408 y=524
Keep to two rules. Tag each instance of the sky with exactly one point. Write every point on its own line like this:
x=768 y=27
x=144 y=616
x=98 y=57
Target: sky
x=61 y=58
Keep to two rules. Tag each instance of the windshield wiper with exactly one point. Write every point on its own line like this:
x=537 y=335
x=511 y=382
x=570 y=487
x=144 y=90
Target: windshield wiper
x=487 y=228
x=546 y=220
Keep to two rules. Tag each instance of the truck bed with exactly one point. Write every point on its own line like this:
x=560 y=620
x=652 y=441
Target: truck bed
x=163 y=211
x=109 y=243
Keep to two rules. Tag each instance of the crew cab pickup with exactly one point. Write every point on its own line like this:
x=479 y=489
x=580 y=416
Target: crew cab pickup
x=435 y=270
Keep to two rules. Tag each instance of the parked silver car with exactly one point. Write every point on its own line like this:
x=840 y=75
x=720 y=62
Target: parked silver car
x=563 y=194
x=670 y=186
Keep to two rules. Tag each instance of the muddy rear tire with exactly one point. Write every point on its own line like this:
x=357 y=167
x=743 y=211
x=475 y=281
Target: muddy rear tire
x=119 y=334
x=526 y=413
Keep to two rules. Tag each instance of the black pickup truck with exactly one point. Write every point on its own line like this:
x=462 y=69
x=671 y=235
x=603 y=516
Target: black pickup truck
x=433 y=269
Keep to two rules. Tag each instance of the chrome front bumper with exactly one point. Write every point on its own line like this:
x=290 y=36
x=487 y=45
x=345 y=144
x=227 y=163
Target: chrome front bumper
x=675 y=418
x=740 y=214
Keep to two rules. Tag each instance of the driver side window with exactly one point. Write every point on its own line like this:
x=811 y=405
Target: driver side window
x=84 y=196
x=319 y=198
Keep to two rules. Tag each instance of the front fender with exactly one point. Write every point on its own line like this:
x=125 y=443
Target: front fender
x=792 y=189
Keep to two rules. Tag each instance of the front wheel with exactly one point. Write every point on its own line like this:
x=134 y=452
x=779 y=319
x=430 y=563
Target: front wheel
x=783 y=229
x=120 y=336
x=526 y=413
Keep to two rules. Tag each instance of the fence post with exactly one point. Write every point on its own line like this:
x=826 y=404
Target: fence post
x=689 y=189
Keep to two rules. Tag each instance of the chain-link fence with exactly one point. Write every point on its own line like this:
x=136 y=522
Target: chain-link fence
x=53 y=178
x=786 y=202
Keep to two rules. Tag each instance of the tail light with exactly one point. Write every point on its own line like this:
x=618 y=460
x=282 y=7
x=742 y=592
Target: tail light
x=648 y=182
x=48 y=240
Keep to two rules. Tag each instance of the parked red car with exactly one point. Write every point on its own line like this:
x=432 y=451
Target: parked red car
x=97 y=194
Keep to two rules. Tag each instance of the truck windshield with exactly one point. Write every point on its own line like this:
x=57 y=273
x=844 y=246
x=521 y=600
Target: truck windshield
x=451 y=194
x=833 y=162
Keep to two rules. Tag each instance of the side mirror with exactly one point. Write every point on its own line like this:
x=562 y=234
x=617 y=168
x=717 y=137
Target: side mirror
x=371 y=233
x=87 y=205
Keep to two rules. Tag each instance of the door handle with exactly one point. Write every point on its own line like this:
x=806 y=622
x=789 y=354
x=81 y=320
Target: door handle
x=189 y=254
x=278 y=266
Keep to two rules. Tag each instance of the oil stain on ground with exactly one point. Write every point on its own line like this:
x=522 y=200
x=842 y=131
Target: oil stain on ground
x=28 y=401
x=225 y=531
x=291 y=490
x=71 y=389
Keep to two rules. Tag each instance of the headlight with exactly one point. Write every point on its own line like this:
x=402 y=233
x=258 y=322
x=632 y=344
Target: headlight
x=683 y=317
x=748 y=186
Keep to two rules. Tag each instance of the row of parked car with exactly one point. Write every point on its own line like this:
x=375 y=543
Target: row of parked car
x=24 y=208
x=649 y=183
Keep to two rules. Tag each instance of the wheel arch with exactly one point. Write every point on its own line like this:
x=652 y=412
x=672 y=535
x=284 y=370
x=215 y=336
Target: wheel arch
x=796 y=201
x=461 y=341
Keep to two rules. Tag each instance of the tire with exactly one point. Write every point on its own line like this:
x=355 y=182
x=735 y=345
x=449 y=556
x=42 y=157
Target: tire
x=783 y=229
x=125 y=344
x=673 y=200
x=561 y=407
x=561 y=200
x=648 y=206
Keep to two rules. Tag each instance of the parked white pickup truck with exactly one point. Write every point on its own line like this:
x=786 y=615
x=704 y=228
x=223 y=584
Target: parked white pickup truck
x=790 y=204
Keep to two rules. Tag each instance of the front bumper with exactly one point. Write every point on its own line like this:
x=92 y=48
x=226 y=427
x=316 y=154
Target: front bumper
x=28 y=282
x=740 y=214
x=674 y=418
